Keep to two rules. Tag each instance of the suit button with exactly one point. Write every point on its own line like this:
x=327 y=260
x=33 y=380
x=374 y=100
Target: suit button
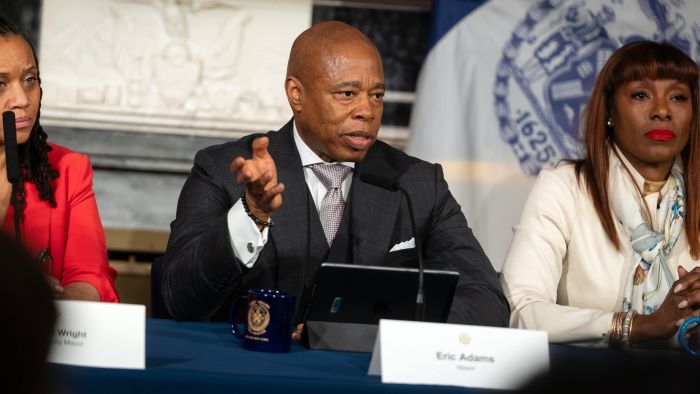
x=250 y=247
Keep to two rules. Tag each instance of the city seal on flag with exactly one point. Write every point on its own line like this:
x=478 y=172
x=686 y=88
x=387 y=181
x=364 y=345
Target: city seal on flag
x=549 y=64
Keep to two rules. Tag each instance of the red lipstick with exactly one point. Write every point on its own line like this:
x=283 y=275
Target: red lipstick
x=660 y=135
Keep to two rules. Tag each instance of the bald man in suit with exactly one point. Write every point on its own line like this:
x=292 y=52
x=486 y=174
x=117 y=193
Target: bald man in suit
x=248 y=215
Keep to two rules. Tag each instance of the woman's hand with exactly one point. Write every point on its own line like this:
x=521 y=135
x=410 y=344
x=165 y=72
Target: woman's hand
x=55 y=286
x=692 y=293
x=681 y=303
x=81 y=291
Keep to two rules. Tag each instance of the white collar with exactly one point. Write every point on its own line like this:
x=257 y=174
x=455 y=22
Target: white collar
x=636 y=176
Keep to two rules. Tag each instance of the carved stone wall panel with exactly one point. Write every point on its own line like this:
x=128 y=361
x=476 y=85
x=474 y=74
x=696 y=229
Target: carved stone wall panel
x=142 y=152
x=137 y=200
x=195 y=67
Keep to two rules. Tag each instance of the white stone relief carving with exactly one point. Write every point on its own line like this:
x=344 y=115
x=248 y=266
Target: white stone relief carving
x=205 y=67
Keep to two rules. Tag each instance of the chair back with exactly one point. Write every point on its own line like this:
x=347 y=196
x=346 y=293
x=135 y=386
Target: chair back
x=158 y=309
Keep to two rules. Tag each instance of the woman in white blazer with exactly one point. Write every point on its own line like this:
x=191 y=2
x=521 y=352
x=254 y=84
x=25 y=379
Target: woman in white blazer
x=606 y=252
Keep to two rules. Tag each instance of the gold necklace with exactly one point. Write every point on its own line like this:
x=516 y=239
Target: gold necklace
x=652 y=187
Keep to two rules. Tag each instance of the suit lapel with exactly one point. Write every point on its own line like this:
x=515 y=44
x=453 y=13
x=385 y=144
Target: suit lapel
x=374 y=211
x=293 y=219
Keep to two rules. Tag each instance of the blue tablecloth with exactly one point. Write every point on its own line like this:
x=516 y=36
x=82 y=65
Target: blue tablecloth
x=205 y=358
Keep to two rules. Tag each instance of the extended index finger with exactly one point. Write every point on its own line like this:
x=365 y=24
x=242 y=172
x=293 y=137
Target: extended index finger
x=260 y=147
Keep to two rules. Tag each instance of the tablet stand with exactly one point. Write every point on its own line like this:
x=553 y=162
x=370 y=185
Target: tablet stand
x=346 y=337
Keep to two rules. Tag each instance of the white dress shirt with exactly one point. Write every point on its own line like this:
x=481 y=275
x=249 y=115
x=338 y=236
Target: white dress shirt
x=247 y=241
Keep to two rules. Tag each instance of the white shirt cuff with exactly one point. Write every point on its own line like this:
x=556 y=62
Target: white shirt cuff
x=246 y=240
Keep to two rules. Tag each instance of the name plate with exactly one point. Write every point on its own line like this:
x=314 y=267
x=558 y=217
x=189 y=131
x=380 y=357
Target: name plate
x=99 y=334
x=458 y=355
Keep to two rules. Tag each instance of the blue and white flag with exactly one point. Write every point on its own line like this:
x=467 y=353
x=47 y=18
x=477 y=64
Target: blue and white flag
x=505 y=82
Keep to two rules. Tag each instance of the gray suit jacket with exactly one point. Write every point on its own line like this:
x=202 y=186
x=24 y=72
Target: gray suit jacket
x=201 y=274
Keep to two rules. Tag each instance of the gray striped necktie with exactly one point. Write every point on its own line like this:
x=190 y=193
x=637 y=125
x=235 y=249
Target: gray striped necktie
x=331 y=212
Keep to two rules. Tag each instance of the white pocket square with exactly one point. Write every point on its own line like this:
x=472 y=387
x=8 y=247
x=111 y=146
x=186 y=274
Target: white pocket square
x=410 y=244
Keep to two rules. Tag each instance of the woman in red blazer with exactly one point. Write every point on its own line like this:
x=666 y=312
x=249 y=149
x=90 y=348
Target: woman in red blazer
x=60 y=223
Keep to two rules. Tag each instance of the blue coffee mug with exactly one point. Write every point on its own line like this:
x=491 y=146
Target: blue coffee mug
x=684 y=342
x=269 y=320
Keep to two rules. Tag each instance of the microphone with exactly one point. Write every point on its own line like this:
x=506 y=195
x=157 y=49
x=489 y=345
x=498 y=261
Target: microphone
x=11 y=153
x=394 y=185
x=12 y=163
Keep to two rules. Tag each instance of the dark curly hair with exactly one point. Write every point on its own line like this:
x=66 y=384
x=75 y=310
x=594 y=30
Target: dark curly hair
x=33 y=154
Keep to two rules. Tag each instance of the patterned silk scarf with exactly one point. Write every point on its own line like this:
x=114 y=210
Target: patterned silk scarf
x=649 y=278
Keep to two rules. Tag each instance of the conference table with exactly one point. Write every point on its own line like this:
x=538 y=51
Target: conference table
x=205 y=358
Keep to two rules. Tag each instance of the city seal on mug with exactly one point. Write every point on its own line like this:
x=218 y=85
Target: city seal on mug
x=268 y=321
x=258 y=317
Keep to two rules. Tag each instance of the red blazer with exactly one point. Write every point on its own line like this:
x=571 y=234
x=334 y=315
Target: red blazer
x=72 y=230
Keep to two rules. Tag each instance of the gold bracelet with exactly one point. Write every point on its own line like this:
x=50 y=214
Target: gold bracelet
x=627 y=329
x=615 y=337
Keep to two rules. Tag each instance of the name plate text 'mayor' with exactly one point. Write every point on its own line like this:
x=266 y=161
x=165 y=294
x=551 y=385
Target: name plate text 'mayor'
x=457 y=355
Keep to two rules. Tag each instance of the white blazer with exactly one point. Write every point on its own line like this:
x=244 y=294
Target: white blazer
x=561 y=273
